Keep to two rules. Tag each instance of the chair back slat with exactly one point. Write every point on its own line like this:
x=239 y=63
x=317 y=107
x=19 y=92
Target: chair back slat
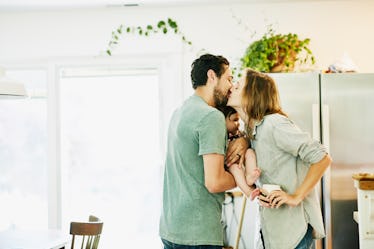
x=82 y=244
x=89 y=242
x=96 y=241
x=72 y=242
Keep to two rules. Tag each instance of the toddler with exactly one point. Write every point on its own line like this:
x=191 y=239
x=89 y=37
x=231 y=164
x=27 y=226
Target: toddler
x=246 y=176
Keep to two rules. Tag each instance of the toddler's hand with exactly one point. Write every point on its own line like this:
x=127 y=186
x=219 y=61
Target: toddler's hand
x=255 y=193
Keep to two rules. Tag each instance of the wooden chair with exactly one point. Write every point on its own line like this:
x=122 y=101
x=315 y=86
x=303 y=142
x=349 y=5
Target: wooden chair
x=88 y=233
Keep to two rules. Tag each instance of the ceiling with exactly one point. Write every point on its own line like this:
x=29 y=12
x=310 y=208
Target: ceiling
x=22 y=5
x=9 y=5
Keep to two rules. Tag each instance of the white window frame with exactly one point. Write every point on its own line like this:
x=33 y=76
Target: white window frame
x=171 y=94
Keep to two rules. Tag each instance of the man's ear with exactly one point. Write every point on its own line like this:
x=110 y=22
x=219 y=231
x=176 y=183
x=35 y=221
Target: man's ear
x=211 y=75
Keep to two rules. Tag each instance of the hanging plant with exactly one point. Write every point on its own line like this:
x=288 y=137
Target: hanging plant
x=162 y=27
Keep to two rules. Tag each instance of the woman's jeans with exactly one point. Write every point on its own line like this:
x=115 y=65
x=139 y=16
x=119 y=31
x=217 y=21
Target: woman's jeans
x=307 y=242
x=169 y=245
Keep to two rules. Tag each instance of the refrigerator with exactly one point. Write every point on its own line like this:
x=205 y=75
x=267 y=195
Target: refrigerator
x=347 y=120
x=336 y=109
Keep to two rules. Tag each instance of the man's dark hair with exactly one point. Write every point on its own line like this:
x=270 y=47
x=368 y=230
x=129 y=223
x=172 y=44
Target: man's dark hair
x=201 y=66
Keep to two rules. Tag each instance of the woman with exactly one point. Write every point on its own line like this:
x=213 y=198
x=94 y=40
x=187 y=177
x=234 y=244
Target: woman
x=290 y=218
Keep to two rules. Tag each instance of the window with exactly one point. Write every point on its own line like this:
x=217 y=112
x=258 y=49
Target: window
x=110 y=152
x=23 y=154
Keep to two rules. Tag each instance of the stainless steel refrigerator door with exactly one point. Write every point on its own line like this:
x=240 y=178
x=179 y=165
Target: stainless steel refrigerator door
x=299 y=94
x=348 y=131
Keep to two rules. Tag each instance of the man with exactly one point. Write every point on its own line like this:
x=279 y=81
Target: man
x=195 y=178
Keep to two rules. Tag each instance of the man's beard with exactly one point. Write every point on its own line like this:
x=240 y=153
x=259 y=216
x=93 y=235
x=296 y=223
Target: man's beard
x=220 y=99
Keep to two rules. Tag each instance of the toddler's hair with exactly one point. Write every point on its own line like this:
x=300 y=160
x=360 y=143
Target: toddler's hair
x=227 y=110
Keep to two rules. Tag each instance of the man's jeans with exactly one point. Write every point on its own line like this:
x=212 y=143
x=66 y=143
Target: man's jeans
x=169 y=245
x=307 y=242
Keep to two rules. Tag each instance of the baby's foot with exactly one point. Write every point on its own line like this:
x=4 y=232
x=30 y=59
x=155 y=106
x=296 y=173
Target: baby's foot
x=251 y=177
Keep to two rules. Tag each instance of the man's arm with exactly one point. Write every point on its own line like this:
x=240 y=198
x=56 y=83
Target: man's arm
x=217 y=179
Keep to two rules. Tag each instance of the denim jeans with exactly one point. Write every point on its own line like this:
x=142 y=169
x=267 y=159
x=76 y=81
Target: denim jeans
x=169 y=245
x=307 y=242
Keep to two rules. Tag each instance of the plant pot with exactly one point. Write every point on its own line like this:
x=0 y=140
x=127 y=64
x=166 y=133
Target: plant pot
x=281 y=65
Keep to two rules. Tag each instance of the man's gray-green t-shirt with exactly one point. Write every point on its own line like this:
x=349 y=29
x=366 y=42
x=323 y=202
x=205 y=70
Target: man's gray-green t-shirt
x=191 y=215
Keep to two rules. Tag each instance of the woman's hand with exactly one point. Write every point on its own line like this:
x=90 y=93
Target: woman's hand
x=236 y=151
x=263 y=201
x=278 y=198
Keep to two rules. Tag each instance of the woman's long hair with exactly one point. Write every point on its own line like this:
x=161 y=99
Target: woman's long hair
x=259 y=98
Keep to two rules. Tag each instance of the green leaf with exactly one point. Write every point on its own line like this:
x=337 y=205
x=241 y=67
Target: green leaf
x=172 y=23
x=160 y=24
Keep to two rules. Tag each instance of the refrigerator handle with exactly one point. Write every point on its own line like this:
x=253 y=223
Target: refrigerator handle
x=325 y=120
x=316 y=135
x=326 y=127
x=316 y=130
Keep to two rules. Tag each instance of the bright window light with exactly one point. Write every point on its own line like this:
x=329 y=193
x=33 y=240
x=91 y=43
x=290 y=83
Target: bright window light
x=23 y=155
x=110 y=153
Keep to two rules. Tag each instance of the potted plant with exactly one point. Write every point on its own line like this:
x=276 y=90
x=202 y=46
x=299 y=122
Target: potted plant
x=277 y=52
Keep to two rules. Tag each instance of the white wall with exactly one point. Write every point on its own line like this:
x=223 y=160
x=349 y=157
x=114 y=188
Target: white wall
x=333 y=26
